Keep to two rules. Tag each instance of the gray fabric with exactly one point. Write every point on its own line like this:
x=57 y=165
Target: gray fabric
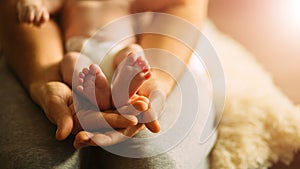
x=96 y=158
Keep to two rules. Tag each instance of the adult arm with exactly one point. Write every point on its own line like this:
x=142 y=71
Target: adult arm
x=34 y=55
x=194 y=12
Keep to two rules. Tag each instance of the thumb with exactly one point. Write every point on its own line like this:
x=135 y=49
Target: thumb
x=62 y=116
x=64 y=126
x=157 y=100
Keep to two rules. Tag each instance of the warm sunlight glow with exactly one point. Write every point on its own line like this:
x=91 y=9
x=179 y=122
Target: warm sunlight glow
x=292 y=9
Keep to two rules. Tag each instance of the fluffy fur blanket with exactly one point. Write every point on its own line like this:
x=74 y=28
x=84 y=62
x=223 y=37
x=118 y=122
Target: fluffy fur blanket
x=260 y=125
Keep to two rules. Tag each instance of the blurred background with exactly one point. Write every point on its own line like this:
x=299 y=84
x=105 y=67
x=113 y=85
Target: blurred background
x=270 y=29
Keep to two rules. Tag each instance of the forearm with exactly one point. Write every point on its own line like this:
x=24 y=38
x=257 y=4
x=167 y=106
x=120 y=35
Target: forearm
x=194 y=12
x=33 y=53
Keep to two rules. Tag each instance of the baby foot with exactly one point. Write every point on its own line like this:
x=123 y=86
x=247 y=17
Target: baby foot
x=32 y=12
x=93 y=85
x=129 y=76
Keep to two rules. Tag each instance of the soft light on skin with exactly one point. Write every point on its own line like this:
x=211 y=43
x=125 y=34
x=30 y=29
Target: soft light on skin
x=292 y=9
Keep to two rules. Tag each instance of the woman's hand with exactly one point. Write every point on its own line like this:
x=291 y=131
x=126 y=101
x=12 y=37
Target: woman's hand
x=84 y=138
x=156 y=90
x=56 y=100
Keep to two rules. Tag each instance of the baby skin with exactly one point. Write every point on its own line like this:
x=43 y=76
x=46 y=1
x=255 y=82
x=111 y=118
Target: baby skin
x=131 y=71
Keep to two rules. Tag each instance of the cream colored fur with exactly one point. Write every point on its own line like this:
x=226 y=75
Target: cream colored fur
x=260 y=125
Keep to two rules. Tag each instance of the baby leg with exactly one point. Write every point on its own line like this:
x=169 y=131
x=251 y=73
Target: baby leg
x=131 y=71
x=71 y=65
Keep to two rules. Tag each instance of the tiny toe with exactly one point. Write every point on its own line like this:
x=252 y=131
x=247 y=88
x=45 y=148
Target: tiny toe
x=141 y=76
x=142 y=63
x=80 y=80
x=80 y=88
x=131 y=59
x=81 y=75
x=85 y=71
x=145 y=64
x=94 y=69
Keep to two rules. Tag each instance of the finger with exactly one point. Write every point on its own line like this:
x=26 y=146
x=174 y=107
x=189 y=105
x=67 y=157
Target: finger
x=157 y=100
x=45 y=15
x=64 y=125
x=37 y=18
x=150 y=120
x=116 y=136
x=64 y=120
x=137 y=105
x=141 y=103
x=59 y=113
x=153 y=126
x=94 y=120
x=30 y=14
x=128 y=110
x=84 y=139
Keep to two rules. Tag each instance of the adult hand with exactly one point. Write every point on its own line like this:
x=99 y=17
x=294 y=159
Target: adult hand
x=156 y=89
x=123 y=124
x=157 y=100
x=85 y=138
x=56 y=100
x=115 y=126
